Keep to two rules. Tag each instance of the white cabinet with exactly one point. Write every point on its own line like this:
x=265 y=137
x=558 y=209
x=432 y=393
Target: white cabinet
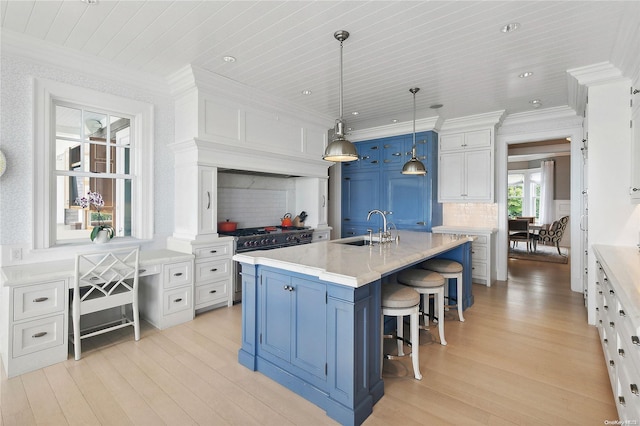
x=323 y=234
x=33 y=326
x=208 y=190
x=167 y=300
x=213 y=275
x=634 y=188
x=311 y=197
x=618 y=323
x=483 y=251
x=195 y=201
x=465 y=167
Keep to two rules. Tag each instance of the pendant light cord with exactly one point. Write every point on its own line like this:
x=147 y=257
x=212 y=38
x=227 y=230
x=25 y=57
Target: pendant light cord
x=340 y=79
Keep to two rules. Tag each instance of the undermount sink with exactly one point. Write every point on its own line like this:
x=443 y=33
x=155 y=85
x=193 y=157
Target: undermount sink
x=363 y=241
x=358 y=243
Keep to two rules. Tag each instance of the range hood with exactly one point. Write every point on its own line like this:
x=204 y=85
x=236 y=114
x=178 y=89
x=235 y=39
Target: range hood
x=256 y=173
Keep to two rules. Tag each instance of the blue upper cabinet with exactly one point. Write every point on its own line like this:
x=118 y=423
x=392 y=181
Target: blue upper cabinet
x=411 y=199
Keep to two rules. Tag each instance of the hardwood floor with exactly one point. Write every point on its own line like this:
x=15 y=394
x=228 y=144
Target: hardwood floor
x=524 y=356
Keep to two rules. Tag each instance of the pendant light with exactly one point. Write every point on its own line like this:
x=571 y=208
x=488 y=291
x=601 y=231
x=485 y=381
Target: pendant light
x=414 y=166
x=340 y=149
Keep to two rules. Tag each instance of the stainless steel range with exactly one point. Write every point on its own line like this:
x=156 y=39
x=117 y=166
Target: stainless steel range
x=264 y=238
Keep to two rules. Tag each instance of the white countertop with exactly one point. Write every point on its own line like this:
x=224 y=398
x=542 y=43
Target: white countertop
x=463 y=229
x=354 y=266
x=622 y=265
x=62 y=269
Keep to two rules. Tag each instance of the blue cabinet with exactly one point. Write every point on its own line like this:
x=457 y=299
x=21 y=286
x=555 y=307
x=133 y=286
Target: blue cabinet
x=411 y=199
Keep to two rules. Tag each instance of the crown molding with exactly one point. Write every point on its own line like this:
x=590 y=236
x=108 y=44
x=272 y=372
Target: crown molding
x=44 y=52
x=471 y=122
x=403 y=128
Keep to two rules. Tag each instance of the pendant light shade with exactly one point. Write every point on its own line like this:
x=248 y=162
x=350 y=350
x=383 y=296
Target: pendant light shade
x=340 y=149
x=414 y=166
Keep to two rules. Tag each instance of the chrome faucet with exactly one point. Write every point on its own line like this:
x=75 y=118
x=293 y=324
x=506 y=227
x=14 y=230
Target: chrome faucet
x=385 y=236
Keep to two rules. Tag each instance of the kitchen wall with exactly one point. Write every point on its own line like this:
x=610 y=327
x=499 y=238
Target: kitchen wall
x=477 y=215
x=16 y=128
x=254 y=200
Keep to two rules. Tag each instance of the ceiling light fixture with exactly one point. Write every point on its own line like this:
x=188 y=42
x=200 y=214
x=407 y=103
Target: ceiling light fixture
x=526 y=74
x=340 y=149
x=537 y=103
x=306 y=92
x=414 y=166
x=228 y=58
x=90 y=1
x=509 y=28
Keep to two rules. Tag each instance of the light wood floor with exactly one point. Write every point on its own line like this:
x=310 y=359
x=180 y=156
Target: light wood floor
x=524 y=356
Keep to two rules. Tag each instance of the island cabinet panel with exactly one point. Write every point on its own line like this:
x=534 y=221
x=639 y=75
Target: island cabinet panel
x=319 y=339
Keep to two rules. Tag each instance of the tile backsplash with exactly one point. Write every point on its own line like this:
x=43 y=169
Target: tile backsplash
x=480 y=215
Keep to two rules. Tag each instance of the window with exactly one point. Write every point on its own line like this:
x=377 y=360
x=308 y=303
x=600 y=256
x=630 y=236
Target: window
x=92 y=153
x=523 y=193
x=87 y=140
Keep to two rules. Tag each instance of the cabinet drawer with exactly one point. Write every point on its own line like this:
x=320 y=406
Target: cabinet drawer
x=212 y=293
x=40 y=299
x=479 y=253
x=213 y=269
x=177 y=300
x=177 y=274
x=478 y=270
x=481 y=240
x=37 y=335
x=216 y=250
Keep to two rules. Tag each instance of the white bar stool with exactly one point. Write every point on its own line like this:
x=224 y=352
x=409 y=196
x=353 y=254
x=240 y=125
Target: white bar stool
x=427 y=283
x=398 y=301
x=449 y=269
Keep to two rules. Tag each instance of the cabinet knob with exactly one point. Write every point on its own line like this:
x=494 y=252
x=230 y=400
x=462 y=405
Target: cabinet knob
x=621 y=312
x=634 y=389
x=635 y=189
x=621 y=352
x=142 y=271
x=40 y=299
x=612 y=363
x=635 y=340
x=621 y=400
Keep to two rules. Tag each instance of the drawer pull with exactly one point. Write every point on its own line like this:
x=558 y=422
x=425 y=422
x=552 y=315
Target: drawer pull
x=179 y=299
x=634 y=389
x=621 y=400
x=606 y=307
x=397 y=154
x=288 y=288
x=606 y=341
x=611 y=363
x=213 y=291
x=597 y=309
x=621 y=352
x=142 y=271
x=177 y=274
x=635 y=340
x=40 y=299
x=213 y=269
x=94 y=278
x=40 y=334
x=213 y=251
x=612 y=324
x=621 y=312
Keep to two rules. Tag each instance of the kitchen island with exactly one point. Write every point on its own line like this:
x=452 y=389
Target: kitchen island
x=311 y=314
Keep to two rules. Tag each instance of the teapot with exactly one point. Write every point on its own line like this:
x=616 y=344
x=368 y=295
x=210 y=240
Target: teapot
x=286 y=220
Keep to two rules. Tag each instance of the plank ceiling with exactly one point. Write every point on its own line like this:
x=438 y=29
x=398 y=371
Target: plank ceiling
x=453 y=50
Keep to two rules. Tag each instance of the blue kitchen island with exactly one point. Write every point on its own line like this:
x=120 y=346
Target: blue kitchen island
x=311 y=314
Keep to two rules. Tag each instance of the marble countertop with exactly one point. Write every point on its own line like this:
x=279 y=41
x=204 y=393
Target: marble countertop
x=622 y=266
x=62 y=269
x=462 y=229
x=354 y=266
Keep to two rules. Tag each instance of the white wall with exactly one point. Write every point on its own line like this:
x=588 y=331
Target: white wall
x=16 y=128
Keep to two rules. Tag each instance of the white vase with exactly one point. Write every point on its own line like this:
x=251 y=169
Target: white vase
x=102 y=237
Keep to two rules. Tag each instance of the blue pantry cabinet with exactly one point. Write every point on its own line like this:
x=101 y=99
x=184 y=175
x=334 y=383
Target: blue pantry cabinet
x=375 y=181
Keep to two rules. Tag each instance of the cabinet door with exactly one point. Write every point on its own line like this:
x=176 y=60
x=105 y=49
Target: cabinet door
x=309 y=330
x=360 y=194
x=406 y=197
x=477 y=139
x=208 y=177
x=369 y=153
x=634 y=189
x=479 y=179
x=275 y=315
x=452 y=142
x=393 y=151
x=451 y=177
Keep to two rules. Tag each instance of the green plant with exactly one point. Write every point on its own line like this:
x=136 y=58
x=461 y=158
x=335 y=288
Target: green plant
x=95 y=199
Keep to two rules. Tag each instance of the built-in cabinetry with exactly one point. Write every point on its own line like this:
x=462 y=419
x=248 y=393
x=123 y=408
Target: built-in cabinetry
x=375 y=181
x=618 y=323
x=634 y=188
x=465 y=166
x=34 y=305
x=483 y=251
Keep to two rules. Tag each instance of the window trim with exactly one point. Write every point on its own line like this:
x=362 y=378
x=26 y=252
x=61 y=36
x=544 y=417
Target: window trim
x=528 y=202
x=44 y=186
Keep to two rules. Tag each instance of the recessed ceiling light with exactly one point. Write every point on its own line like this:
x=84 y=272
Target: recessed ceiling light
x=306 y=92
x=394 y=120
x=90 y=1
x=228 y=58
x=537 y=103
x=436 y=106
x=526 y=74
x=355 y=113
x=510 y=27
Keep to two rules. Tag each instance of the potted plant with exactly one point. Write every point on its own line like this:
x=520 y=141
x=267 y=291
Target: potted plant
x=101 y=233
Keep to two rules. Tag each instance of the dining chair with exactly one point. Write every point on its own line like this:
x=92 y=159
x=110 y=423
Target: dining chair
x=519 y=231
x=105 y=280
